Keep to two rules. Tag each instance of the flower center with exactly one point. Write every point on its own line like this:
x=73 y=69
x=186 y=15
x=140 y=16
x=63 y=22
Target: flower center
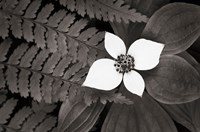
x=124 y=63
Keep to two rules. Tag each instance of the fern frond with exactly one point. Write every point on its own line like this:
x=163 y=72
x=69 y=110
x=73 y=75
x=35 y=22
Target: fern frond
x=58 y=30
x=27 y=118
x=108 y=10
x=47 y=76
x=39 y=73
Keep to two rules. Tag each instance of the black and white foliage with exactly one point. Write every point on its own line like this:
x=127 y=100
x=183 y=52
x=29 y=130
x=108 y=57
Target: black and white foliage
x=47 y=48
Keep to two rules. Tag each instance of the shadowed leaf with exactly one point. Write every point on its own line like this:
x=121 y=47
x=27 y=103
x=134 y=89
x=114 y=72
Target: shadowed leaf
x=144 y=115
x=75 y=115
x=187 y=114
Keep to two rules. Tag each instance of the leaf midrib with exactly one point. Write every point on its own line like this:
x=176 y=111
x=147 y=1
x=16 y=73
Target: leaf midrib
x=39 y=72
x=46 y=26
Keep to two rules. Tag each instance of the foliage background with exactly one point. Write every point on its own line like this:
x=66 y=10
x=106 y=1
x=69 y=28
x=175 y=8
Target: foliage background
x=49 y=112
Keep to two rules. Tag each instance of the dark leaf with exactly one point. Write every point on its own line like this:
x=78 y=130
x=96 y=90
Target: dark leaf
x=190 y=60
x=187 y=114
x=177 y=25
x=145 y=115
x=173 y=81
x=75 y=115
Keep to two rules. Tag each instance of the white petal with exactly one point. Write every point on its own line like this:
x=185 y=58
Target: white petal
x=103 y=75
x=146 y=53
x=114 y=45
x=134 y=82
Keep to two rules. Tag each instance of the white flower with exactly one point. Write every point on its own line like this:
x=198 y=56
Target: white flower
x=107 y=74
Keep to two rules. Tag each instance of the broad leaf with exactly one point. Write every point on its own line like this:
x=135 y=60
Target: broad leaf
x=173 y=81
x=190 y=60
x=177 y=25
x=75 y=115
x=145 y=115
x=186 y=114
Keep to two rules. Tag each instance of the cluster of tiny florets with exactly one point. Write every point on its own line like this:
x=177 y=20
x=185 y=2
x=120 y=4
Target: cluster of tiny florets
x=124 y=63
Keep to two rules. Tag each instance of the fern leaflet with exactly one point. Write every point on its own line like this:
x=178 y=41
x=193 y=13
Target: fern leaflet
x=108 y=10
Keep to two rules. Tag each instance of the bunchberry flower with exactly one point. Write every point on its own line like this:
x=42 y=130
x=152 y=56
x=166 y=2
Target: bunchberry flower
x=107 y=74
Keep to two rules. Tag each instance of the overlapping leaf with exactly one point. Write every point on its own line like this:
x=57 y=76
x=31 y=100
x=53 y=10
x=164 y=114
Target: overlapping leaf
x=186 y=114
x=75 y=115
x=145 y=115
